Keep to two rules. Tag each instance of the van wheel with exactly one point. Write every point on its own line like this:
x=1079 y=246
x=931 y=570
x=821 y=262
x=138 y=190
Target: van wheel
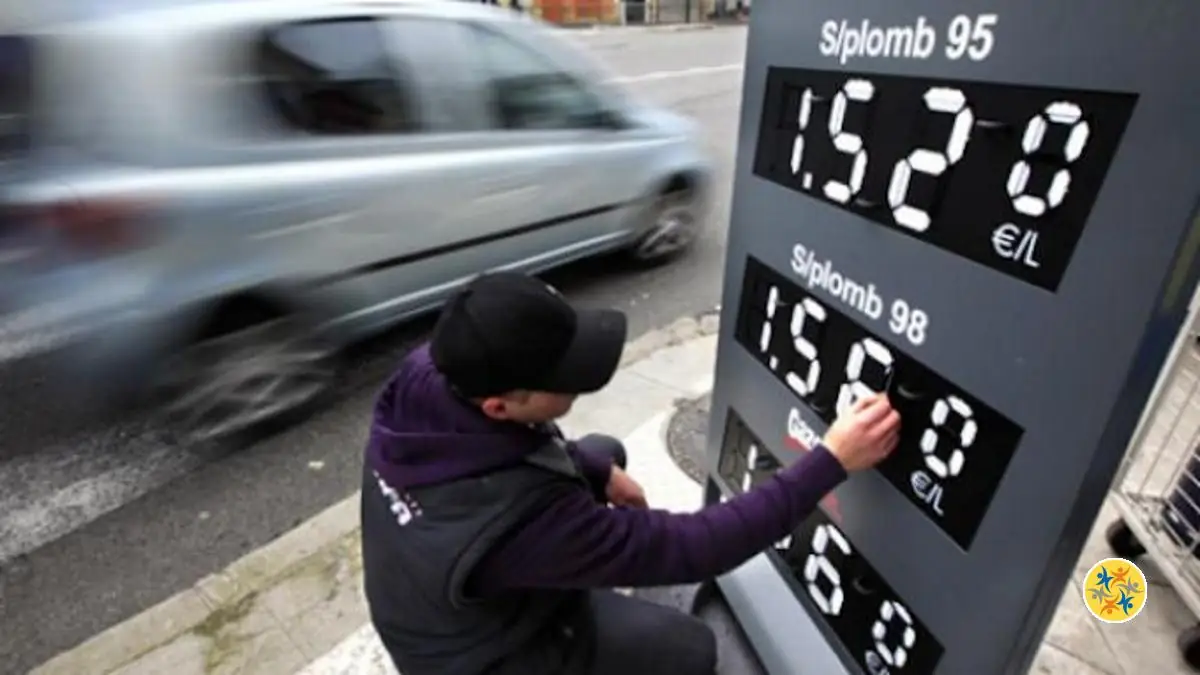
x=238 y=383
x=673 y=228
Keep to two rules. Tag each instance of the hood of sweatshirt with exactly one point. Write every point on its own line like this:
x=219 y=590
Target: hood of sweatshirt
x=423 y=433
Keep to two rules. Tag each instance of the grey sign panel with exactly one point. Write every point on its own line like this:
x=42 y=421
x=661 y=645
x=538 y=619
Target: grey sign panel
x=989 y=211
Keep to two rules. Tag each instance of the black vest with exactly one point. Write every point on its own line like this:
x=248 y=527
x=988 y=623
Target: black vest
x=420 y=547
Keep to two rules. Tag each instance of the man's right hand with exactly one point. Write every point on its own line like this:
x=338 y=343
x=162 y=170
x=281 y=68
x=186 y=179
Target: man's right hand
x=865 y=434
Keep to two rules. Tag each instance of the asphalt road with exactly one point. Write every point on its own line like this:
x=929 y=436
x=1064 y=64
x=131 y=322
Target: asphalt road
x=100 y=520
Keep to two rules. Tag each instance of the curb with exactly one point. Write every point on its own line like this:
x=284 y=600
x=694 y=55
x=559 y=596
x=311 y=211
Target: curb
x=222 y=592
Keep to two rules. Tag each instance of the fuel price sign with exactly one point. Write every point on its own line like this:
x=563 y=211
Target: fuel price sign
x=989 y=214
x=927 y=157
x=823 y=568
x=829 y=361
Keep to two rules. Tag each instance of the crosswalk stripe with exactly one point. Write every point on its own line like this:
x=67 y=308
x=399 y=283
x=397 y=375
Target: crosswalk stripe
x=672 y=74
x=51 y=493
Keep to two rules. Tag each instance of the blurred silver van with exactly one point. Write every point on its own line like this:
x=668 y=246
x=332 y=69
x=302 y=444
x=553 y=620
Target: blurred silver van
x=210 y=199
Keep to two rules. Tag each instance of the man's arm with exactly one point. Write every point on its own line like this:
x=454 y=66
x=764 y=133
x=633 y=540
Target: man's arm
x=576 y=543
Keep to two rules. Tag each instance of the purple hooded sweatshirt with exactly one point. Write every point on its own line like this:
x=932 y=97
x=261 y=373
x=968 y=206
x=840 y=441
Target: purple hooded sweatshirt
x=424 y=435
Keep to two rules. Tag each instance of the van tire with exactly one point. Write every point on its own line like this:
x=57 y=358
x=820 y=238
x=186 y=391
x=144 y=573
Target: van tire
x=251 y=369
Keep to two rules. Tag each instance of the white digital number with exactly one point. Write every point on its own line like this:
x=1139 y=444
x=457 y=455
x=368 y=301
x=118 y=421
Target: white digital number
x=896 y=656
x=1062 y=113
x=931 y=162
x=861 y=91
x=751 y=460
x=855 y=388
x=818 y=565
x=807 y=314
x=764 y=337
x=948 y=464
x=802 y=118
x=784 y=544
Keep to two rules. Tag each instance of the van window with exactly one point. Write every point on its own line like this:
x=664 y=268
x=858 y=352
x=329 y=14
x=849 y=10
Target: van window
x=16 y=95
x=437 y=53
x=334 y=76
x=527 y=90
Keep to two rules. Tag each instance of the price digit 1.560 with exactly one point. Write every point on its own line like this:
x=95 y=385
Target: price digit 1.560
x=857 y=386
x=808 y=318
x=945 y=451
x=764 y=336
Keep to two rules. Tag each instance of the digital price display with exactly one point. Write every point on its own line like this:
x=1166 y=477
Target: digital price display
x=953 y=447
x=876 y=627
x=999 y=174
x=987 y=212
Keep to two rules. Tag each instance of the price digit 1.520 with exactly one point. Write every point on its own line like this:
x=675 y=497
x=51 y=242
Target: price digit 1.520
x=861 y=91
x=803 y=115
x=946 y=101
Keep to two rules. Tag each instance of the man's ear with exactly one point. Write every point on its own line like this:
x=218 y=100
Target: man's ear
x=494 y=407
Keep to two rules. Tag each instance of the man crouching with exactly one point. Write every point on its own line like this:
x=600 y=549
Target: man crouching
x=491 y=543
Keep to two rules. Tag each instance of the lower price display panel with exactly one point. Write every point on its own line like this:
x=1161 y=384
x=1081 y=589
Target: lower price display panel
x=832 y=581
x=954 y=448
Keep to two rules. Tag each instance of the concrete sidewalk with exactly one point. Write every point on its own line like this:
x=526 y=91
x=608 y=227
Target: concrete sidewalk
x=296 y=607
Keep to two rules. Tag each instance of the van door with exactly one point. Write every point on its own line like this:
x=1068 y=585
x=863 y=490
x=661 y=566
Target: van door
x=587 y=151
x=487 y=188
x=421 y=199
x=339 y=149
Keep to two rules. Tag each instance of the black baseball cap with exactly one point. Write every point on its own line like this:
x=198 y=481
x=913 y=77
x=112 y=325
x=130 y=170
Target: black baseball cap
x=507 y=331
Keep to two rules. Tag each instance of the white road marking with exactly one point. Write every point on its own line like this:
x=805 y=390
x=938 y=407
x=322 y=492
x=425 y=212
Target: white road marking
x=359 y=654
x=51 y=493
x=671 y=74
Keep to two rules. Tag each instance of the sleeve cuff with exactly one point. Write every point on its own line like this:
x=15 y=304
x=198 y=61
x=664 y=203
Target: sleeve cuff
x=823 y=468
x=595 y=470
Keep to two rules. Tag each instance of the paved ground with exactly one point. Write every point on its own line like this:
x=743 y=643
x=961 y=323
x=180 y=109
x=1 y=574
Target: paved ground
x=686 y=437
x=295 y=600
x=295 y=607
x=100 y=520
